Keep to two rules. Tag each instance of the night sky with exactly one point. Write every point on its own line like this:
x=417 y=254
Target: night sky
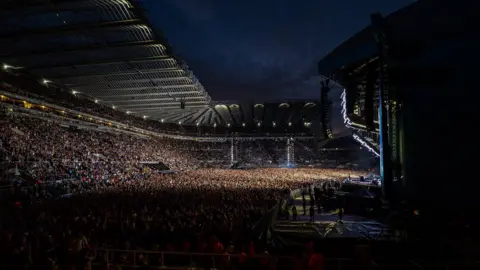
x=260 y=50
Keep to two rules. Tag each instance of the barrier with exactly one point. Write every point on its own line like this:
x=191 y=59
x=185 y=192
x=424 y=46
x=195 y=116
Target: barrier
x=129 y=259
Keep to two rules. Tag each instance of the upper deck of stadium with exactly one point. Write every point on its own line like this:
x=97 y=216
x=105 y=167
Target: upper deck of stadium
x=105 y=50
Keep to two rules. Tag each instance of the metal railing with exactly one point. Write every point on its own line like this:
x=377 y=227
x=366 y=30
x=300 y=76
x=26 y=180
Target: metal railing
x=445 y=265
x=192 y=260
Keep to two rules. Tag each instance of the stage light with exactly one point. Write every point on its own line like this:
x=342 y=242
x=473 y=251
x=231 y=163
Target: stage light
x=346 y=120
x=364 y=144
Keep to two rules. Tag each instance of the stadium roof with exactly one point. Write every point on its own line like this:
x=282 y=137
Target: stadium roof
x=104 y=49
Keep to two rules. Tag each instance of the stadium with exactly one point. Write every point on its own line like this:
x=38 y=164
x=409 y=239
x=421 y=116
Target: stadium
x=115 y=156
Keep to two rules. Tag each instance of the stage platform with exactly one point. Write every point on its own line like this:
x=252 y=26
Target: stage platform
x=327 y=225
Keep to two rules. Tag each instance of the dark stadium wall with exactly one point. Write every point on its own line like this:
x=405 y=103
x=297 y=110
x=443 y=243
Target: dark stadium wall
x=440 y=127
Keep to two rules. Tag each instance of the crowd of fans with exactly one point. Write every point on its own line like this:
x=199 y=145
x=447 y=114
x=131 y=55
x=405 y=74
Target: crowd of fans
x=50 y=151
x=202 y=210
x=90 y=189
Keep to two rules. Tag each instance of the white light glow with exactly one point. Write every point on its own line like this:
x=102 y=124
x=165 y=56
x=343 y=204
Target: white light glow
x=228 y=125
x=162 y=120
x=215 y=125
x=346 y=120
x=128 y=112
x=145 y=117
x=96 y=100
x=45 y=81
x=232 y=152
x=364 y=144
x=243 y=125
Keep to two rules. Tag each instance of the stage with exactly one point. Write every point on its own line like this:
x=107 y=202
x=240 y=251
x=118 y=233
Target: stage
x=327 y=225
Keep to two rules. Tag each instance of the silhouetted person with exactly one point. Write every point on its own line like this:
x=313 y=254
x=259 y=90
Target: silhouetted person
x=304 y=204
x=312 y=214
x=340 y=214
x=294 y=213
x=319 y=207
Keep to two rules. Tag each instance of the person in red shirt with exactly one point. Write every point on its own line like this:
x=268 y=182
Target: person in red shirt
x=242 y=259
x=264 y=261
x=251 y=249
x=317 y=261
x=218 y=247
x=186 y=246
x=298 y=262
x=310 y=247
